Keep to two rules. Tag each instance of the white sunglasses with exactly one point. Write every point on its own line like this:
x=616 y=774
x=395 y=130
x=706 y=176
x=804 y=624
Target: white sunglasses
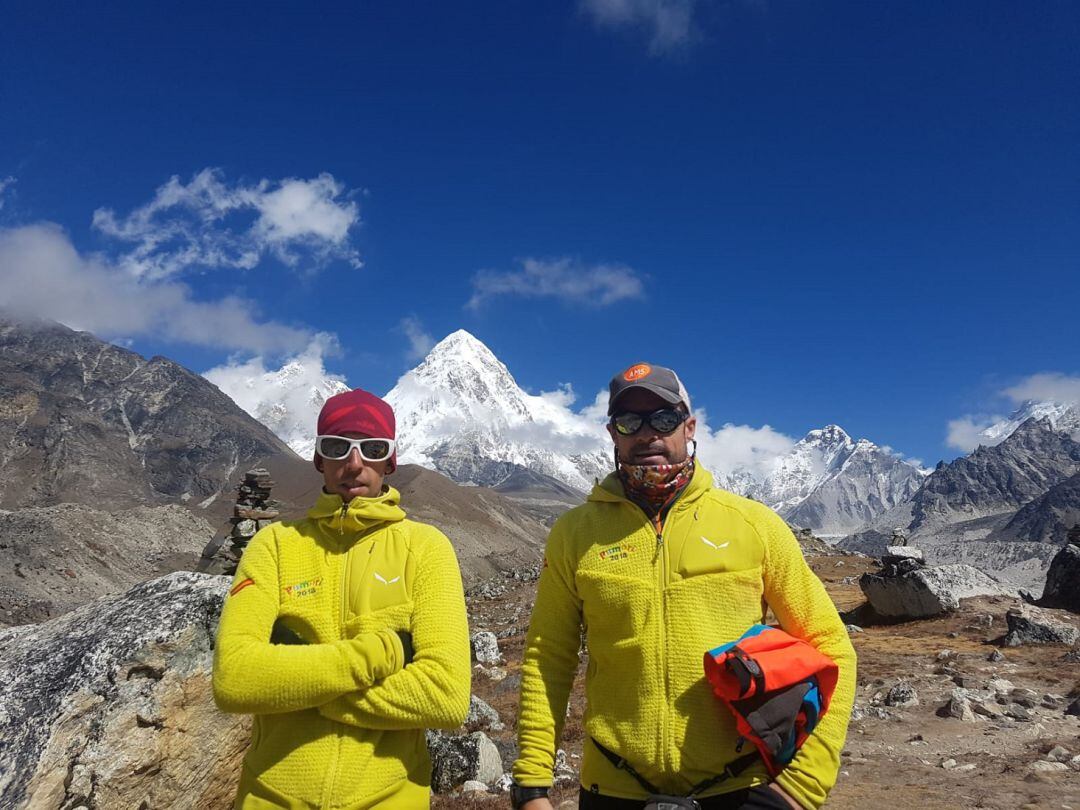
x=336 y=448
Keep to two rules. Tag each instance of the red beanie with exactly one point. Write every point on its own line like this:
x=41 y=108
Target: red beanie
x=358 y=412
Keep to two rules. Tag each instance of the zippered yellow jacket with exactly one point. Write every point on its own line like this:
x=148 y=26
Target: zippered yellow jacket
x=339 y=721
x=652 y=605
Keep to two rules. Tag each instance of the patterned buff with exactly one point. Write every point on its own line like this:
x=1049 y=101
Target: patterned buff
x=651 y=486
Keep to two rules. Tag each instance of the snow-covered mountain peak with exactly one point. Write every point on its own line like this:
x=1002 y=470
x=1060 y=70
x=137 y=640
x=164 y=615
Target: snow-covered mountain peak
x=1063 y=416
x=830 y=437
x=460 y=411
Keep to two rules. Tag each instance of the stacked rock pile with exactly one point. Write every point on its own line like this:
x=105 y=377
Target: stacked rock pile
x=254 y=509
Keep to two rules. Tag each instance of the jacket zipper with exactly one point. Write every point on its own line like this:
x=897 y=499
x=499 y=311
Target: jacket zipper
x=330 y=786
x=661 y=552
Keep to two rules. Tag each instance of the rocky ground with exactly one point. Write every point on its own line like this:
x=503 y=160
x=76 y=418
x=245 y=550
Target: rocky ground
x=1014 y=747
x=109 y=705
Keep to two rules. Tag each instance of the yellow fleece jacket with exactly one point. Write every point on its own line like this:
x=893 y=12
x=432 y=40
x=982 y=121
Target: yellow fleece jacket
x=340 y=719
x=651 y=606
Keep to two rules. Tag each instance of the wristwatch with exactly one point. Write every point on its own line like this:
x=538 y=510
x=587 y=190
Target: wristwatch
x=519 y=795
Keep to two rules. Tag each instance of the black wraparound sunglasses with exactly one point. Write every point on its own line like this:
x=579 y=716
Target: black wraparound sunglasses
x=664 y=420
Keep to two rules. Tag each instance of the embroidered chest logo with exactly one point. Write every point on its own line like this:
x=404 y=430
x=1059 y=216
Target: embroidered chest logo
x=308 y=587
x=619 y=552
x=386 y=581
x=716 y=546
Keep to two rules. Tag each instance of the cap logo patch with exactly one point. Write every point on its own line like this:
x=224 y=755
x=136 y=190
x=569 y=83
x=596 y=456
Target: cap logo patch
x=638 y=372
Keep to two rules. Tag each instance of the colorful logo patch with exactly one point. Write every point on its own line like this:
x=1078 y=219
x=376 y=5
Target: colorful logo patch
x=300 y=589
x=620 y=552
x=638 y=372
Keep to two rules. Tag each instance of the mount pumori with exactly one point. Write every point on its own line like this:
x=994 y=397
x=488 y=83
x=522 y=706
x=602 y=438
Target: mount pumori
x=462 y=413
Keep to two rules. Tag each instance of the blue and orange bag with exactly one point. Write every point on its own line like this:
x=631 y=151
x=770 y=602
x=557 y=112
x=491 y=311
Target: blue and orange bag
x=776 y=686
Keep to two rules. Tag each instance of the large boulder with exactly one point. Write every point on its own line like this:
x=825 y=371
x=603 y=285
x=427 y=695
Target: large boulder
x=460 y=758
x=1031 y=625
x=111 y=705
x=1063 y=577
x=925 y=592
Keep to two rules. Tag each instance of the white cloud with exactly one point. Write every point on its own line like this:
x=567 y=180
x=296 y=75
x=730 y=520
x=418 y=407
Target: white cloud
x=420 y=342
x=733 y=449
x=5 y=184
x=566 y=279
x=669 y=24
x=209 y=223
x=43 y=275
x=968 y=432
x=1051 y=386
x=286 y=399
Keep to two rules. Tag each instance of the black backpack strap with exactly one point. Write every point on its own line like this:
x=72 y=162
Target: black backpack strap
x=731 y=770
x=620 y=762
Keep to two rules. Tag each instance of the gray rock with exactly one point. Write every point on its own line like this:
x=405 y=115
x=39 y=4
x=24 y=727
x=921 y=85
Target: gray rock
x=958 y=707
x=1031 y=625
x=1063 y=578
x=995 y=656
x=482 y=716
x=894 y=554
x=927 y=591
x=1073 y=708
x=473 y=786
x=459 y=758
x=485 y=647
x=565 y=773
x=111 y=705
x=902 y=694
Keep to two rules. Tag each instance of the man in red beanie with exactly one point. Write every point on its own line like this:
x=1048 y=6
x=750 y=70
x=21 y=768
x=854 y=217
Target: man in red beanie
x=345 y=634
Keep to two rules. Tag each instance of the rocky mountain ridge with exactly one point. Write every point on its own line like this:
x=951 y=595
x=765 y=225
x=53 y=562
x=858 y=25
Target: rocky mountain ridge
x=86 y=421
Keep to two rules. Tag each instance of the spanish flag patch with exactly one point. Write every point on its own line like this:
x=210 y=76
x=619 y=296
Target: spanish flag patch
x=239 y=586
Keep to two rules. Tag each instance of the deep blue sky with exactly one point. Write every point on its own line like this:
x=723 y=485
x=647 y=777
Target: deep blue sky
x=861 y=213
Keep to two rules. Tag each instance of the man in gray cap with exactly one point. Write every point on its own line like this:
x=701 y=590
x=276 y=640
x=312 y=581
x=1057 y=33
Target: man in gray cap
x=659 y=566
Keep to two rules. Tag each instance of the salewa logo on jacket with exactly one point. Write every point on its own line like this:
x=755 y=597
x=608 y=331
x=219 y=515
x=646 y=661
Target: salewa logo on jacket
x=386 y=581
x=716 y=546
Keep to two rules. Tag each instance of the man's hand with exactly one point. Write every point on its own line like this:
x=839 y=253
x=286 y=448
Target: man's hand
x=794 y=804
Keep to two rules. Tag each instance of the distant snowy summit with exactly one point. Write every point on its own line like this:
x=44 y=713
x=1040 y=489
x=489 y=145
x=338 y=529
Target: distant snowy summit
x=1064 y=417
x=462 y=413
x=831 y=483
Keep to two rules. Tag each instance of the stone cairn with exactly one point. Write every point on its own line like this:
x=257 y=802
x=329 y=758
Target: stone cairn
x=254 y=510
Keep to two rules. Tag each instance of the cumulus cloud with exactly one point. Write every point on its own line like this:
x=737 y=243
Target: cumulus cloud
x=972 y=430
x=211 y=223
x=43 y=275
x=566 y=279
x=668 y=24
x=420 y=342
x=287 y=399
x=733 y=450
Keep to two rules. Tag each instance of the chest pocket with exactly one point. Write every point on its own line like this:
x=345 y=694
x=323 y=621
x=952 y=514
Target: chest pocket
x=713 y=553
x=378 y=576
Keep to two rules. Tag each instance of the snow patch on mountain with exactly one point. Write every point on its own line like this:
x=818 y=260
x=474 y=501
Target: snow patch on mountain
x=970 y=432
x=288 y=399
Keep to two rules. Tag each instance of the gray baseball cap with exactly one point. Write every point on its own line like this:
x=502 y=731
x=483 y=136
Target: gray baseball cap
x=659 y=380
